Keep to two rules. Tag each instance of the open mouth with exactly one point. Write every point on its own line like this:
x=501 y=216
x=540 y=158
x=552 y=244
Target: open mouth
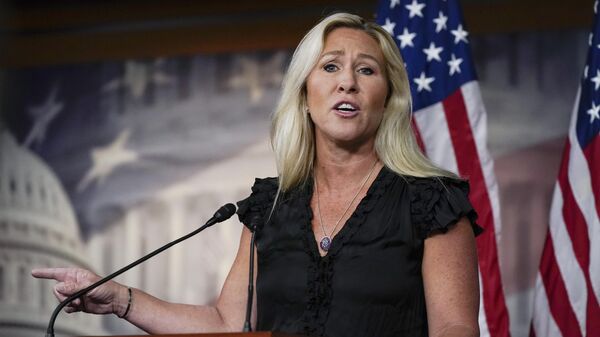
x=346 y=109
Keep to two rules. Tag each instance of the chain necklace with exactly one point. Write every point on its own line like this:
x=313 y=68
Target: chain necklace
x=325 y=242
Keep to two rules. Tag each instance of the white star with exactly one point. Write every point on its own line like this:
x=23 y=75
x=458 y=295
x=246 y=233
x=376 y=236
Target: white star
x=106 y=159
x=43 y=114
x=415 y=9
x=389 y=26
x=454 y=64
x=460 y=34
x=137 y=78
x=596 y=6
x=406 y=38
x=423 y=82
x=594 y=112
x=393 y=3
x=590 y=38
x=440 y=22
x=596 y=80
x=585 y=71
x=433 y=52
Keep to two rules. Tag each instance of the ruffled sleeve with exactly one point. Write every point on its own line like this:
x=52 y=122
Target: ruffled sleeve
x=259 y=202
x=438 y=203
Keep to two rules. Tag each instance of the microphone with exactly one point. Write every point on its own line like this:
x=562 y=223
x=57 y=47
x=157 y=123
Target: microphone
x=222 y=214
x=254 y=222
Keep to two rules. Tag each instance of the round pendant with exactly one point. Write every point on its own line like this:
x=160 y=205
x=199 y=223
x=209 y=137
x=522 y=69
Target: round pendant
x=325 y=243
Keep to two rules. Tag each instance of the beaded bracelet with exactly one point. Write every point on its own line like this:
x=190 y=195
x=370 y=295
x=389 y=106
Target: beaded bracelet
x=128 y=303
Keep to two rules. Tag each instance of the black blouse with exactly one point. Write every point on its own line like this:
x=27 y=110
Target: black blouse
x=369 y=283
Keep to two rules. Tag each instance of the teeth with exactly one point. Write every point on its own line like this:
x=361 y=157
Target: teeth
x=346 y=106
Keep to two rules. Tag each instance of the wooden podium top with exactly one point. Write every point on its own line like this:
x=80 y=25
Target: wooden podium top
x=224 y=334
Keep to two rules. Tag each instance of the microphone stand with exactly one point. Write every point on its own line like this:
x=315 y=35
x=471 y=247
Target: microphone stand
x=247 y=325
x=222 y=214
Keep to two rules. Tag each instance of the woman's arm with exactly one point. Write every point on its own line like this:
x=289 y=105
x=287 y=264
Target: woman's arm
x=451 y=282
x=156 y=316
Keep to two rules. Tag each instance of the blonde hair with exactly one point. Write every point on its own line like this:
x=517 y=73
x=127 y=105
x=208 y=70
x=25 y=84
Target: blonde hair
x=292 y=131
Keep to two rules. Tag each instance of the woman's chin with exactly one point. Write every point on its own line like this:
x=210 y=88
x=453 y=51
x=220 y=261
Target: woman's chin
x=352 y=140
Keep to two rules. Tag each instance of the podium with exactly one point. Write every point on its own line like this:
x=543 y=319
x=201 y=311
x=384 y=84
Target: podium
x=224 y=334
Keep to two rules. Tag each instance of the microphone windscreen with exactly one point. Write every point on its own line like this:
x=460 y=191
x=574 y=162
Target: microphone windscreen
x=225 y=212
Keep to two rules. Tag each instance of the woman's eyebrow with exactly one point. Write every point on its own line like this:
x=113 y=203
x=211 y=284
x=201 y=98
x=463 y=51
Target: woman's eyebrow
x=333 y=52
x=361 y=55
x=370 y=57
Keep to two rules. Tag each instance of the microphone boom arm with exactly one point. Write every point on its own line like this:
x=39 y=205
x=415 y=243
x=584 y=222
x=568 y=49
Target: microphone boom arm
x=222 y=214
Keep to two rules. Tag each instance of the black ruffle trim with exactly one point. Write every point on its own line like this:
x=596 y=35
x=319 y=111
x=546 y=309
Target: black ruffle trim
x=259 y=202
x=320 y=272
x=438 y=203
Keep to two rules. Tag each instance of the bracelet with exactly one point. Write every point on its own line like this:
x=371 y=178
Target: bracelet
x=128 y=303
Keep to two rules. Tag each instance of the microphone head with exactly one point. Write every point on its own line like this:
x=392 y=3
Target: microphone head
x=224 y=213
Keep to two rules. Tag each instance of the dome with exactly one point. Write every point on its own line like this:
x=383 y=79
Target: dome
x=33 y=202
x=38 y=228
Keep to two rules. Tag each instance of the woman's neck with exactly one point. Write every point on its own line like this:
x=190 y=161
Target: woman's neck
x=337 y=168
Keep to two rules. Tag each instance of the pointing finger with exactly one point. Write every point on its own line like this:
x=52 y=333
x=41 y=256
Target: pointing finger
x=59 y=274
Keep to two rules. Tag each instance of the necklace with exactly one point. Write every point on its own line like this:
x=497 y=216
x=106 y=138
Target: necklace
x=325 y=242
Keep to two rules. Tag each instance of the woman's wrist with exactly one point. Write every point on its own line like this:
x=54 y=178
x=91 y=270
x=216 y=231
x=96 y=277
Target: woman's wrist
x=122 y=305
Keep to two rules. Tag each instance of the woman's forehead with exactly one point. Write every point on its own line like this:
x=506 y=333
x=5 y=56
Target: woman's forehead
x=343 y=40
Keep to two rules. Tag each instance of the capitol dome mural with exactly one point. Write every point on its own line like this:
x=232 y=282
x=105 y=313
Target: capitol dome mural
x=38 y=228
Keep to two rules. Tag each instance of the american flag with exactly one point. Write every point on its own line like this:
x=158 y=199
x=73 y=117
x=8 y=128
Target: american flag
x=450 y=122
x=567 y=290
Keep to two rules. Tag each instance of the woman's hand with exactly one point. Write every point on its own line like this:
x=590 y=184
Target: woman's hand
x=105 y=299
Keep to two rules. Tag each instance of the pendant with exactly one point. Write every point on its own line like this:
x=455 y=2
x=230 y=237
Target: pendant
x=325 y=243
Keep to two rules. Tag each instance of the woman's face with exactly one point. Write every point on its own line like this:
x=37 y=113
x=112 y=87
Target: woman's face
x=347 y=89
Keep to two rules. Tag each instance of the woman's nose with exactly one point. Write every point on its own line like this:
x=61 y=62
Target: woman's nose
x=347 y=82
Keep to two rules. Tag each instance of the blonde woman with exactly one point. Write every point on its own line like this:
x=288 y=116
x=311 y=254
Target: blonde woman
x=360 y=234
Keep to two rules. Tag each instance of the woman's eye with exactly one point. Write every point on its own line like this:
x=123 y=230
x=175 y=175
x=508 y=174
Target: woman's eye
x=330 y=68
x=366 y=71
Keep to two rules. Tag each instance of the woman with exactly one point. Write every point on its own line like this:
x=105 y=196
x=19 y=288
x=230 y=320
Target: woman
x=390 y=250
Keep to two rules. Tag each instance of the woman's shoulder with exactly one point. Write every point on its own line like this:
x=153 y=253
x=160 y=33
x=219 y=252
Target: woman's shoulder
x=437 y=203
x=260 y=199
x=265 y=184
x=436 y=182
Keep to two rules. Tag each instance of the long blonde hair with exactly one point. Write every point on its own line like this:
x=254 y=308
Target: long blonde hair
x=292 y=131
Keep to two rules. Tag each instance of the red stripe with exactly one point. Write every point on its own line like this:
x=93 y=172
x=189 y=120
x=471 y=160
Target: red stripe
x=578 y=233
x=469 y=166
x=592 y=155
x=574 y=220
x=418 y=135
x=556 y=292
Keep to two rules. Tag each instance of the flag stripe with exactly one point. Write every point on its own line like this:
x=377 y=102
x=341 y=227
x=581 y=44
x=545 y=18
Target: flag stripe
x=578 y=232
x=433 y=128
x=564 y=255
x=478 y=121
x=573 y=218
x=592 y=156
x=555 y=291
x=543 y=323
x=576 y=227
x=469 y=166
